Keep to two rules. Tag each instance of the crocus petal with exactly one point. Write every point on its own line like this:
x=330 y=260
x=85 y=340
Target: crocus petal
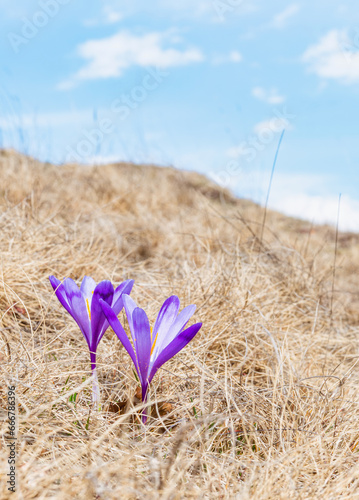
x=178 y=325
x=124 y=288
x=78 y=307
x=60 y=293
x=143 y=341
x=117 y=303
x=99 y=324
x=120 y=332
x=130 y=306
x=164 y=321
x=87 y=288
x=167 y=314
x=174 y=347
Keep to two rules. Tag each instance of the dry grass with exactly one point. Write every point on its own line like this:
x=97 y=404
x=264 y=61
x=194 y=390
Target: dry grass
x=262 y=404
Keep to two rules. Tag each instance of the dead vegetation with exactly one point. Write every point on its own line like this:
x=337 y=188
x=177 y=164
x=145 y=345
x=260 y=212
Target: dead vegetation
x=262 y=404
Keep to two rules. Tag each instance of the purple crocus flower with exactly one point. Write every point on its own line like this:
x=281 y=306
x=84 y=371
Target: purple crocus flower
x=84 y=306
x=152 y=348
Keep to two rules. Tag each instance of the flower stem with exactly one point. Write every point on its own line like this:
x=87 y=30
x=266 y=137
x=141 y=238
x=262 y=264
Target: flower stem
x=96 y=398
x=144 y=416
x=144 y=400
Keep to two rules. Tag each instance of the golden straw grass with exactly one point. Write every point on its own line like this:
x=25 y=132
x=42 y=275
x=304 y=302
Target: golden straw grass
x=262 y=404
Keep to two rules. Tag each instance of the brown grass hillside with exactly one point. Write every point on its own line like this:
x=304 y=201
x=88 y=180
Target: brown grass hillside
x=263 y=403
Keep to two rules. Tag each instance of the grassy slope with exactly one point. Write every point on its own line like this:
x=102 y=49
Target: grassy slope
x=262 y=404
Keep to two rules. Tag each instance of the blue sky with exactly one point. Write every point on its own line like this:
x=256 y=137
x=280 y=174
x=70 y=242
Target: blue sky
x=203 y=85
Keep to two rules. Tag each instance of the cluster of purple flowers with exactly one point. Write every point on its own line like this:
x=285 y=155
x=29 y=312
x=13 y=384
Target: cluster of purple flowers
x=95 y=307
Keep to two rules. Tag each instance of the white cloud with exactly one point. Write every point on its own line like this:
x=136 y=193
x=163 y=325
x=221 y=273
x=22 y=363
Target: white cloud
x=280 y=20
x=235 y=56
x=307 y=196
x=201 y=10
x=267 y=132
x=110 y=57
x=302 y=195
x=108 y=16
x=236 y=151
x=211 y=7
x=15 y=10
x=232 y=57
x=45 y=120
x=111 y=15
x=269 y=96
x=319 y=209
x=335 y=57
x=197 y=8
x=272 y=125
x=182 y=9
